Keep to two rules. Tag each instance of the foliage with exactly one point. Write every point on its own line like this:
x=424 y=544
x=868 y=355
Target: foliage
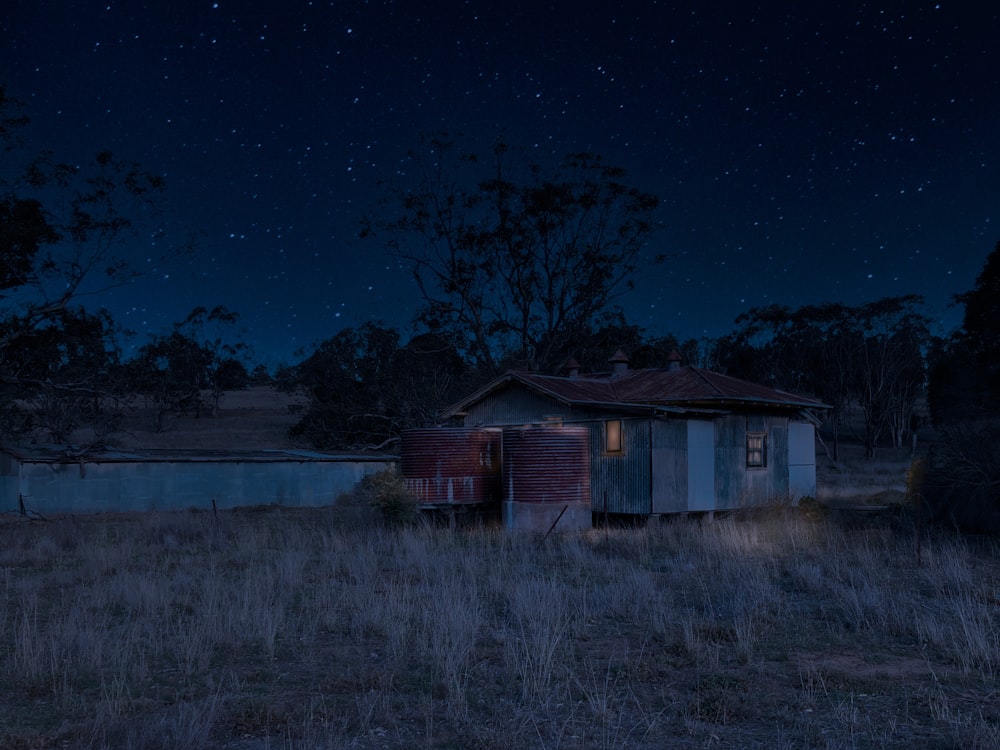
x=961 y=479
x=869 y=355
x=965 y=374
x=387 y=493
x=188 y=369
x=60 y=226
x=982 y=308
x=170 y=371
x=61 y=375
x=364 y=388
x=592 y=347
x=962 y=482
x=516 y=262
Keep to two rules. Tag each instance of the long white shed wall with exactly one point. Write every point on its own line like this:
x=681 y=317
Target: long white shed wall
x=94 y=486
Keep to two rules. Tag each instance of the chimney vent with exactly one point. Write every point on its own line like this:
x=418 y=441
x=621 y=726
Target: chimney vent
x=674 y=360
x=572 y=368
x=619 y=363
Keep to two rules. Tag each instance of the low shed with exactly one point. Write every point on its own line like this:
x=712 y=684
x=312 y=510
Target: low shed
x=53 y=479
x=666 y=440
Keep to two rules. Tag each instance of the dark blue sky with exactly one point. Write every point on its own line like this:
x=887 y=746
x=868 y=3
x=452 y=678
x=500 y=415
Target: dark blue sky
x=802 y=154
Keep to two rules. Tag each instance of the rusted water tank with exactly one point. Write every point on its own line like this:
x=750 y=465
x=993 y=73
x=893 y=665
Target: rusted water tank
x=444 y=466
x=546 y=476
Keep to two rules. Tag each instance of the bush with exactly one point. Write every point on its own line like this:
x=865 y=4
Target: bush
x=387 y=493
x=960 y=481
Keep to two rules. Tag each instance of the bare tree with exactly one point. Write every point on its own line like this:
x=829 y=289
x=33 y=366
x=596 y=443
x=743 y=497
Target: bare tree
x=890 y=366
x=515 y=258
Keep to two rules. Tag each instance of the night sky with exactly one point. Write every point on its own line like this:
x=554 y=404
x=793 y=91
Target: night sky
x=803 y=152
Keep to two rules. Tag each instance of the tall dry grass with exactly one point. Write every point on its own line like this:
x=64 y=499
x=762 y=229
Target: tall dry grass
x=290 y=630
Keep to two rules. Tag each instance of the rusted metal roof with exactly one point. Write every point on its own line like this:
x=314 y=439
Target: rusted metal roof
x=667 y=389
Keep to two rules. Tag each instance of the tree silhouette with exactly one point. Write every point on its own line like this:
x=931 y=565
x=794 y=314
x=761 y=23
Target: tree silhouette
x=363 y=387
x=515 y=258
x=965 y=377
x=188 y=368
x=870 y=356
x=60 y=227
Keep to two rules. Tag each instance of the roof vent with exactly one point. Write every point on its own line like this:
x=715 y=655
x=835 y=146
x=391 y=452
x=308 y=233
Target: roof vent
x=674 y=360
x=572 y=368
x=619 y=363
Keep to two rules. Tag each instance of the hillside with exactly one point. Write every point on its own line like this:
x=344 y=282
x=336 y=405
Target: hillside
x=253 y=419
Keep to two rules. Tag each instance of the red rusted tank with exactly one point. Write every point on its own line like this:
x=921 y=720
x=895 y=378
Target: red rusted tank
x=546 y=478
x=451 y=465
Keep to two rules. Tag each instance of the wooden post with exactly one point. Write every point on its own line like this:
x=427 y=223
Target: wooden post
x=553 y=525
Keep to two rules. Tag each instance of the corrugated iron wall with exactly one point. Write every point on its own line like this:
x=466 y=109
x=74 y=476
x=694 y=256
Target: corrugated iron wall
x=669 y=466
x=777 y=459
x=620 y=483
x=514 y=406
x=701 y=470
x=738 y=486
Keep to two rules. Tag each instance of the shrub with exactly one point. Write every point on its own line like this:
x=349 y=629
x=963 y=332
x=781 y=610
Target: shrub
x=961 y=478
x=811 y=508
x=387 y=493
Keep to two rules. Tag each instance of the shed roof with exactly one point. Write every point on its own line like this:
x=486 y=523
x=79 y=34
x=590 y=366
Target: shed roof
x=676 y=389
x=71 y=454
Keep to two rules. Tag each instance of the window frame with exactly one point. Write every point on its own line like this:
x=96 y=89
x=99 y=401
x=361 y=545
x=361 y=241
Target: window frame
x=755 y=449
x=619 y=432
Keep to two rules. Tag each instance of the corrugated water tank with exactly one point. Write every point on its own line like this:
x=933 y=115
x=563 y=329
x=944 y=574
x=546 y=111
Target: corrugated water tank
x=546 y=478
x=451 y=465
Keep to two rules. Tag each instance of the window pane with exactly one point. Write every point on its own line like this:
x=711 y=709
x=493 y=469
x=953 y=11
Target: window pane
x=613 y=436
x=756 y=450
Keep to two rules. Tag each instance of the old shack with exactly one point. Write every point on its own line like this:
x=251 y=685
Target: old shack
x=675 y=439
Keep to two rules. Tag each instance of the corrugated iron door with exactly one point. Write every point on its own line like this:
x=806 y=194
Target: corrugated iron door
x=801 y=460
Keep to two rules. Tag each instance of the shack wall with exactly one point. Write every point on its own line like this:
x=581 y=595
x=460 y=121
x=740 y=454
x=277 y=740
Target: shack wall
x=515 y=406
x=669 y=466
x=621 y=482
x=736 y=484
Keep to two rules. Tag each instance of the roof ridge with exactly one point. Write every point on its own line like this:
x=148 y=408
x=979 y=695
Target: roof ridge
x=707 y=380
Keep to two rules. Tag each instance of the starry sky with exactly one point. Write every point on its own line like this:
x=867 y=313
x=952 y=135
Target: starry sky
x=802 y=152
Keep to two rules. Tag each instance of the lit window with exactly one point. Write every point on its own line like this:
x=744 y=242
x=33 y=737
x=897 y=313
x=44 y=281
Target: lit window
x=756 y=450
x=613 y=436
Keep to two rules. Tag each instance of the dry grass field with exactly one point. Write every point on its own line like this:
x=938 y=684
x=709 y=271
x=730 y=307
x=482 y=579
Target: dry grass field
x=277 y=629
x=294 y=629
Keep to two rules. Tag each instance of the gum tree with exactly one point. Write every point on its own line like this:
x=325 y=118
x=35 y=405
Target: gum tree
x=516 y=258
x=61 y=226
